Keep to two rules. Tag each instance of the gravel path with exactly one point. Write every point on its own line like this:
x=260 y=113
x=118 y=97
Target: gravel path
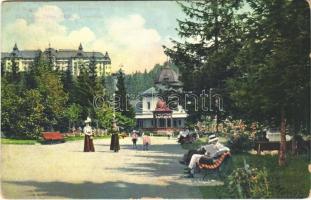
x=64 y=171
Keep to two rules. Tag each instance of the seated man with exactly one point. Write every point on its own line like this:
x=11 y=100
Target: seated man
x=187 y=156
x=212 y=151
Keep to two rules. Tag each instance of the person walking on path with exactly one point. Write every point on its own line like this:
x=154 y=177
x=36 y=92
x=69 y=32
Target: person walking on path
x=134 y=139
x=88 y=136
x=114 y=144
x=146 y=142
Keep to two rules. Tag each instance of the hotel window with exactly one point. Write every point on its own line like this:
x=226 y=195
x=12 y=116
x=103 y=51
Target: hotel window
x=148 y=104
x=179 y=122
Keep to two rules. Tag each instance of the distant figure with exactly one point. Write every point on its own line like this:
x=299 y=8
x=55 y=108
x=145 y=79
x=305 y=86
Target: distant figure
x=88 y=138
x=169 y=135
x=114 y=144
x=146 y=142
x=134 y=139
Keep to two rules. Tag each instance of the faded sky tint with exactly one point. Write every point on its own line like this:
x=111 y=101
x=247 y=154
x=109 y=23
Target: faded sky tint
x=132 y=32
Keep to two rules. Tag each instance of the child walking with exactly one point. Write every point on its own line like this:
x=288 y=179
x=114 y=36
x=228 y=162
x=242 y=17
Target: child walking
x=146 y=142
x=134 y=139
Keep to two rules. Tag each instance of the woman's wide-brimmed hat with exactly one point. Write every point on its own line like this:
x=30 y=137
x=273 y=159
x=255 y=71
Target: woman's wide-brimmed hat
x=88 y=120
x=212 y=138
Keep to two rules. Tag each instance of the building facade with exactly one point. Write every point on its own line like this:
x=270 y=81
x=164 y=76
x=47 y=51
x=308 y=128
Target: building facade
x=61 y=59
x=152 y=112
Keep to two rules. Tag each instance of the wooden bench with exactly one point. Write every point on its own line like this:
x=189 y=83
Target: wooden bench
x=220 y=166
x=123 y=135
x=269 y=146
x=301 y=146
x=52 y=137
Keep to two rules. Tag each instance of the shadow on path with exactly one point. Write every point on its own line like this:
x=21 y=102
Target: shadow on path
x=90 y=190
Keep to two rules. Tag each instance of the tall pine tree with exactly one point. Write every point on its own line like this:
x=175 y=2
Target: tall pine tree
x=273 y=79
x=123 y=102
x=211 y=34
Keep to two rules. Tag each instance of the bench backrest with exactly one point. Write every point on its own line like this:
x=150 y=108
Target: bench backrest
x=216 y=164
x=52 y=136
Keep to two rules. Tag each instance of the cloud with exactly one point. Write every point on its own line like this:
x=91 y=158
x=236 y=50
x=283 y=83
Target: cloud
x=131 y=44
x=74 y=17
x=46 y=28
x=127 y=39
x=49 y=14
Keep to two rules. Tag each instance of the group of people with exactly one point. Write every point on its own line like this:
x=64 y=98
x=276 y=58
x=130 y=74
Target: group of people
x=146 y=140
x=88 y=138
x=114 y=144
x=209 y=151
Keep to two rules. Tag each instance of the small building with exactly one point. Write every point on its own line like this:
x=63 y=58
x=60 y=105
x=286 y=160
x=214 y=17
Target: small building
x=153 y=113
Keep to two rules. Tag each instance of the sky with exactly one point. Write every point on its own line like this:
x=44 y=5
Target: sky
x=131 y=32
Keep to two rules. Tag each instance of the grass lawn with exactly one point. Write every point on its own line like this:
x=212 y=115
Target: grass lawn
x=18 y=141
x=32 y=142
x=291 y=181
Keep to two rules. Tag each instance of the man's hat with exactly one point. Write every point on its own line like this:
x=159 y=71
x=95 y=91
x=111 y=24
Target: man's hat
x=212 y=138
x=88 y=120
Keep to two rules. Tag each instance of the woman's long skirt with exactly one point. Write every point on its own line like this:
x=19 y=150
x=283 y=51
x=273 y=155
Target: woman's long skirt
x=88 y=144
x=114 y=144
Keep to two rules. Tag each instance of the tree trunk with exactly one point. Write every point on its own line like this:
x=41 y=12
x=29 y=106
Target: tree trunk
x=69 y=127
x=295 y=132
x=217 y=123
x=282 y=151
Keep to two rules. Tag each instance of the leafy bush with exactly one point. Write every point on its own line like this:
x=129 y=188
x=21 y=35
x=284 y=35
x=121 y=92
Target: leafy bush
x=30 y=120
x=240 y=142
x=22 y=117
x=249 y=183
x=148 y=133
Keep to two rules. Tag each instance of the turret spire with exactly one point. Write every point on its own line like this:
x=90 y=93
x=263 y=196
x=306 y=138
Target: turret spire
x=80 y=47
x=15 y=47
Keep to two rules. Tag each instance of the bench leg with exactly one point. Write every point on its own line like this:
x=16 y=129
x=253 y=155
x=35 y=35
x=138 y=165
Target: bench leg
x=205 y=175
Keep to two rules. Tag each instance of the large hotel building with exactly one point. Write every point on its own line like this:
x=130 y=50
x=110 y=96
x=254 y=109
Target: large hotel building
x=62 y=59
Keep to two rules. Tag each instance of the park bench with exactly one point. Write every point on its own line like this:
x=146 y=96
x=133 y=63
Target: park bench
x=301 y=146
x=123 y=135
x=51 y=137
x=218 y=166
x=269 y=146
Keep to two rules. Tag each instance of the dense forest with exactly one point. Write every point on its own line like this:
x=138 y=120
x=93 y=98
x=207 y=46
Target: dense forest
x=138 y=82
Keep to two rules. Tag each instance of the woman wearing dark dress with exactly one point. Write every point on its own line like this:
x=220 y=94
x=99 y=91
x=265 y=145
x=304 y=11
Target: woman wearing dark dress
x=114 y=143
x=88 y=137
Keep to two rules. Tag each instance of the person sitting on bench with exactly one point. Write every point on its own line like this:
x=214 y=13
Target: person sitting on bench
x=187 y=156
x=212 y=151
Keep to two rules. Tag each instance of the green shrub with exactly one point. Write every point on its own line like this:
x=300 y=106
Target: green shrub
x=148 y=133
x=249 y=182
x=240 y=142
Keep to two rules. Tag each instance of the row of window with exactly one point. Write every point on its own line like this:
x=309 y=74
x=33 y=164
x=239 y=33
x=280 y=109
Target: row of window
x=161 y=123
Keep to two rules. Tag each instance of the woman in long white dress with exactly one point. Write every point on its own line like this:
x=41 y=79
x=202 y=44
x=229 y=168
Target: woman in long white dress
x=88 y=137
